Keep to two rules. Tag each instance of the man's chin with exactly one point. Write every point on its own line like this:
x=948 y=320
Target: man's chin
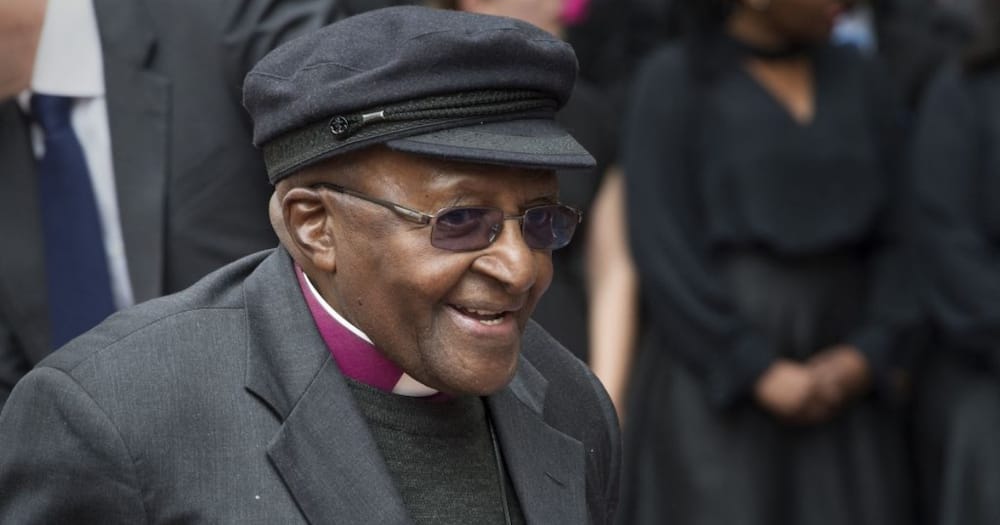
x=484 y=382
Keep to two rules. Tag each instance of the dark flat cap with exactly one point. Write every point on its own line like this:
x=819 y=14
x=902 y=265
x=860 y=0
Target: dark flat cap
x=432 y=82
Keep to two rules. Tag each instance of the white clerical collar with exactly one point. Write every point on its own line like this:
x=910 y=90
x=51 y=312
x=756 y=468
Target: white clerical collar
x=333 y=313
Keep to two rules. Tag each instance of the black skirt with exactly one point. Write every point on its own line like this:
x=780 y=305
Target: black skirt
x=687 y=462
x=957 y=426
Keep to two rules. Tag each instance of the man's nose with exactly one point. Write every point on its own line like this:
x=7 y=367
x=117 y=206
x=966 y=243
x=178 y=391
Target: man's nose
x=510 y=260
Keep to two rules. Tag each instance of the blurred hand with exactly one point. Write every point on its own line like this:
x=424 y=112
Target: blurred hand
x=789 y=391
x=842 y=374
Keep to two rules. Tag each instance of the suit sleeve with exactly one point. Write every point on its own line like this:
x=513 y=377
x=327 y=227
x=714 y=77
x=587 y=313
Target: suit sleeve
x=959 y=256
x=62 y=459
x=680 y=287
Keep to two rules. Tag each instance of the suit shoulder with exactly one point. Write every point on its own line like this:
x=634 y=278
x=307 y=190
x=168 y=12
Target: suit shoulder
x=550 y=357
x=135 y=333
x=577 y=405
x=574 y=395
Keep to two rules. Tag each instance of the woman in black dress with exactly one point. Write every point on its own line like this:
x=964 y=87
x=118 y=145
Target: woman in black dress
x=761 y=178
x=957 y=179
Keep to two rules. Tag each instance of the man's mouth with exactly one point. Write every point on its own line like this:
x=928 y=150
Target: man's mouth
x=486 y=317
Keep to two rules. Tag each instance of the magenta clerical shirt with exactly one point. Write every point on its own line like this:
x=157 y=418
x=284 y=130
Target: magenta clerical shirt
x=353 y=351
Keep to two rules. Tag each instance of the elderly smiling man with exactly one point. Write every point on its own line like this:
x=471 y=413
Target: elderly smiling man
x=379 y=366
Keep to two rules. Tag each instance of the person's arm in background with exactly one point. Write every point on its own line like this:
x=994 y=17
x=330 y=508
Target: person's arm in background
x=613 y=285
x=682 y=291
x=871 y=355
x=957 y=252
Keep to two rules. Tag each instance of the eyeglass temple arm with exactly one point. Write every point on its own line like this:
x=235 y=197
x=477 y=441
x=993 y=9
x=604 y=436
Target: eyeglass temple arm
x=403 y=211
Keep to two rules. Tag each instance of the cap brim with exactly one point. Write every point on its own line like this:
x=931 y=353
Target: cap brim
x=534 y=143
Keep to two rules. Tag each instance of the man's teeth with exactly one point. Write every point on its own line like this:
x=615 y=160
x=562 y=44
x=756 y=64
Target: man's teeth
x=486 y=317
x=484 y=313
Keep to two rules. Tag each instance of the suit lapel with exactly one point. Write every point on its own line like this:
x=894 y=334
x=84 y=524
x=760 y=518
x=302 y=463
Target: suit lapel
x=324 y=451
x=546 y=466
x=138 y=105
x=329 y=460
x=22 y=259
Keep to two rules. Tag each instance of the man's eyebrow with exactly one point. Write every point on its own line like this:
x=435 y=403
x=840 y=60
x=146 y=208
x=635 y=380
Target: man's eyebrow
x=544 y=199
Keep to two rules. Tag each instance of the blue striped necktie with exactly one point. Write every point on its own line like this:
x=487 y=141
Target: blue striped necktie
x=76 y=268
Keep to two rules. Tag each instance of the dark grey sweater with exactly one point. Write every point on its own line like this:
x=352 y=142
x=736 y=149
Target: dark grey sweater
x=441 y=456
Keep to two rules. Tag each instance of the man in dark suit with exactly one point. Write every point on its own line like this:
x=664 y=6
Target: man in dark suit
x=380 y=365
x=153 y=93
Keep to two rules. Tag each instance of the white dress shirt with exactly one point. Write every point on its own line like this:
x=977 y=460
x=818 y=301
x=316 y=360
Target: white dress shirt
x=69 y=63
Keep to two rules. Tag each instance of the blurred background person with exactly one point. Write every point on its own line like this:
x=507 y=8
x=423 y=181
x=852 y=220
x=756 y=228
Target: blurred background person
x=590 y=306
x=956 y=162
x=763 y=183
x=128 y=168
x=912 y=37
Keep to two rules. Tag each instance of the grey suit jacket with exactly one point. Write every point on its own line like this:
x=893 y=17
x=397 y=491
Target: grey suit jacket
x=222 y=404
x=191 y=188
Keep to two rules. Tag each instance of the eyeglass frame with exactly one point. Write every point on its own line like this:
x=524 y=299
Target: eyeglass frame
x=427 y=219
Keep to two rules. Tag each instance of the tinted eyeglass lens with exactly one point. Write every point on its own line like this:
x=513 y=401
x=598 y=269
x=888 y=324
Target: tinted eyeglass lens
x=464 y=229
x=549 y=227
x=461 y=229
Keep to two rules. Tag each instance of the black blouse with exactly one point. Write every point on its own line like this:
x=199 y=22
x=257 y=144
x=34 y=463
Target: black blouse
x=719 y=165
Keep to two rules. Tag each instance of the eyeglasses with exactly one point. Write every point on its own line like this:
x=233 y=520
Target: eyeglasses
x=468 y=228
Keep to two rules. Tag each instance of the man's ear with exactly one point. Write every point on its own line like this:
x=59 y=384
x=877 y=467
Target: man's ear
x=277 y=217
x=307 y=230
